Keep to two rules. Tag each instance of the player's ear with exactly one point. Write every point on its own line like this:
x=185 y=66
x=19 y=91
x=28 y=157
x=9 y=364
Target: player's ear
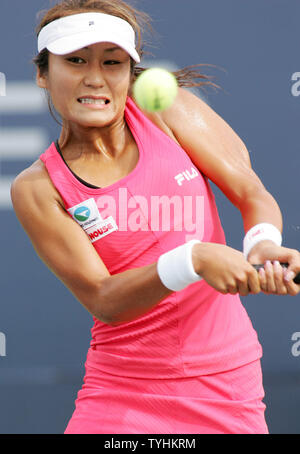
x=41 y=79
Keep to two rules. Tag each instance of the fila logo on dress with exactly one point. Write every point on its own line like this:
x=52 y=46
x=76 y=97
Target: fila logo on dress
x=187 y=175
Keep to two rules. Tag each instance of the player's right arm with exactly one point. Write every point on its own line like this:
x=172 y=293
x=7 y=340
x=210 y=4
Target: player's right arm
x=67 y=251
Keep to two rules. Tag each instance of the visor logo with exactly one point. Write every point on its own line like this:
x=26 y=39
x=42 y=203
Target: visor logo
x=91 y=23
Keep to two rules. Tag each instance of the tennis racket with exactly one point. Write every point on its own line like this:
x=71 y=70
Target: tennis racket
x=284 y=265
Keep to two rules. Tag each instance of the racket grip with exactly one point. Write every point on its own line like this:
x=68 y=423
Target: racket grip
x=284 y=265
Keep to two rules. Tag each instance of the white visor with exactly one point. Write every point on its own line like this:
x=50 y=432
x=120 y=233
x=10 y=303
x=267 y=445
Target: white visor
x=71 y=33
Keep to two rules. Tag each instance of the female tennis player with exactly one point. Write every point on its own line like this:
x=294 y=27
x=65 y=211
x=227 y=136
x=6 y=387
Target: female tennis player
x=130 y=226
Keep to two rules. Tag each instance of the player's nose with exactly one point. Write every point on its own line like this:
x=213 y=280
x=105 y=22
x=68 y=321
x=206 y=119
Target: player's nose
x=94 y=76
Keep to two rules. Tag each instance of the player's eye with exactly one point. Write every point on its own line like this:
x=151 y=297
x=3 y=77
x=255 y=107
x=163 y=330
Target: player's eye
x=111 y=62
x=74 y=59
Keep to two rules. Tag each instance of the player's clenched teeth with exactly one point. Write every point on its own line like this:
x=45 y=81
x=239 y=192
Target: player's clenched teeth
x=93 y=101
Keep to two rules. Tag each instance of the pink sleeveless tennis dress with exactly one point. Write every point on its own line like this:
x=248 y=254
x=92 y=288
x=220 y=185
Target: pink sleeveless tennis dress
x=191 y=364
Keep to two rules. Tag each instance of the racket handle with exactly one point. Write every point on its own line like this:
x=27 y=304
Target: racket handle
x=284 y=265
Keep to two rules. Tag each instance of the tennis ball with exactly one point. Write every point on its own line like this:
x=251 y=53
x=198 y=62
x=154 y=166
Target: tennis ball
x=155 y=89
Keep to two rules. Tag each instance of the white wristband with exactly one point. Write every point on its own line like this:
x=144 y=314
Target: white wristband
x=259 y=233
x=175 y=268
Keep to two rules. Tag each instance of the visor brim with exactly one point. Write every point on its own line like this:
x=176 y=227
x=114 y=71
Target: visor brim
x=69 y=44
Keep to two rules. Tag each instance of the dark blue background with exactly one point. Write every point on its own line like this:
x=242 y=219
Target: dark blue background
x=47 y=331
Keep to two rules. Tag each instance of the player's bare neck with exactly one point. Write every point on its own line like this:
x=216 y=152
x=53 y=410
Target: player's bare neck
x=105 y=144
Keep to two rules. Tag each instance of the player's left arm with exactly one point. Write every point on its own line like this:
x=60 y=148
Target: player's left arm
x=220 y=154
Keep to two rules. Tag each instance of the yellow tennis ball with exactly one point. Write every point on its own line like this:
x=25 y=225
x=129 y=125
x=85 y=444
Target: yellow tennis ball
x=155 y=89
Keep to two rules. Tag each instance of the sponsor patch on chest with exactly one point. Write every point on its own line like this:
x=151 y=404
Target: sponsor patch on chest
x=87 y=215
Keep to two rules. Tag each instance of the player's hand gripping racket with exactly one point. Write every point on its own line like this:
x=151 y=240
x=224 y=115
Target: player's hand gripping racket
x=284 y=265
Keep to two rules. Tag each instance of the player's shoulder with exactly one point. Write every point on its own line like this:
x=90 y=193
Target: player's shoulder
x=186 y=105
x=32 y=178
x=187 y=102
x=191 y=113
x=164 y=119
x=34 y=184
